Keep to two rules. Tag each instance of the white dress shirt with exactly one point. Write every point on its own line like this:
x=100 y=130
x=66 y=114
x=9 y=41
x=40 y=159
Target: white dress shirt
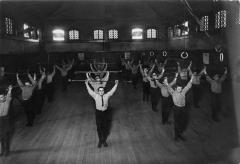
x=98 y=98
x=4 y=106
x=179 y=97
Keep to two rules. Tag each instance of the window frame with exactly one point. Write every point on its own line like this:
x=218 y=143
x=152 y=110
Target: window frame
x=98 y=34
x=113 y=34
x=73 y=29
x=151 y=28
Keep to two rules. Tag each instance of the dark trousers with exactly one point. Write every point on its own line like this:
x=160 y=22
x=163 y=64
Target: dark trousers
x=128 y=74
x=134 y=80
x=103 y=124
x=64 y=83
x=180 y=120
x=39 y=100
x=50 y=91
x=5 y=143
x=29 y=111
x=215 y=105
x=146 y=91
x=5 y=134
x=166 y=108
x=196 y=94
x=154 y=98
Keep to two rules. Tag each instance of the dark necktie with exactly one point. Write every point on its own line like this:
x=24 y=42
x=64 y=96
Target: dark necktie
x=102 y=101
x=155 y=84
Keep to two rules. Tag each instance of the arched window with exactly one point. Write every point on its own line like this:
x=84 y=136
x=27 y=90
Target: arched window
x=98 y=34
x=26 y=32
x=137 y=33
x=9 y=26
x=204 y=23
x=113 y=34
x=151 y=33
x=221 y=19
x=73 y=34
x=58 y=35
x=170 y=32
x=185 y=28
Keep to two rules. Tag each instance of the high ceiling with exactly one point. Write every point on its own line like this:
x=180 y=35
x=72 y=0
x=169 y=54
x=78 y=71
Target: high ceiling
x=121 y=10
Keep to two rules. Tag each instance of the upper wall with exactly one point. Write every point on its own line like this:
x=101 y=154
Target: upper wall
x=17 y=46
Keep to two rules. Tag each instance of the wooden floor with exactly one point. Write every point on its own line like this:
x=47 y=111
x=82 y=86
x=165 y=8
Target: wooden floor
x=65 y=133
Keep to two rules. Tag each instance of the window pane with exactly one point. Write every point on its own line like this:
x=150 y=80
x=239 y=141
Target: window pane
x=73 y=34
x=149 y=33
x=9 y=25
x=110 y=34
x=137 y=33
x=58 y=35
x=100 y=34
x=95 y=33
x=115 y=34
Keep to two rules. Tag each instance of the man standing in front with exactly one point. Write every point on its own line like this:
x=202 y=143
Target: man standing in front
x=102 y=112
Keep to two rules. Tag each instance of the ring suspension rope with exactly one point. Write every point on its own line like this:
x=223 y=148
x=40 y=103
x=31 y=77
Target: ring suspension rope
x=184 y=54
x=188 y=7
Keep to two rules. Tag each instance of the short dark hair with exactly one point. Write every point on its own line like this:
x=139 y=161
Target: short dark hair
x=100 y=88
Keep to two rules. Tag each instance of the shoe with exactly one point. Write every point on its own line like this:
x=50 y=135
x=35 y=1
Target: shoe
x=99 y=145
x=105 y=144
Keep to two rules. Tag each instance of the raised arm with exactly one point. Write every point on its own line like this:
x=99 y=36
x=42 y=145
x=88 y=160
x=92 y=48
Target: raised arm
x=165 y=62
x=59 y=68
x=207 y=77
x=224 y=76
x=105 y=67
x=89 y=76
x=201 y=73
x=70 y=66
x=169 y=88
x=9 y=94
x=32 y=79
x=174 y=80
x=188 y=86
x=54 y=71
x=189 y=66
x=190 y=71
x=160 y=76
x=179 y=67
x=141 y=69
x=112 y=91
x=92 y=69
x=19 y=81
x=159 y=84
x=151 y=70
x=90 y=91
x=106 y=78
x=41 y=80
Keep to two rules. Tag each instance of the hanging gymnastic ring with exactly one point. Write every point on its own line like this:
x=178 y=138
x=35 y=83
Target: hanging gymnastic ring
x=151 y=53
x=164 y=53
x=184 y=55
x=221 y=57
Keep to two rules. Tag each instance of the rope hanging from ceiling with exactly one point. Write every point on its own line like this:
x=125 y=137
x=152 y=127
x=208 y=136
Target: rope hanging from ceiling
x=190 y=10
